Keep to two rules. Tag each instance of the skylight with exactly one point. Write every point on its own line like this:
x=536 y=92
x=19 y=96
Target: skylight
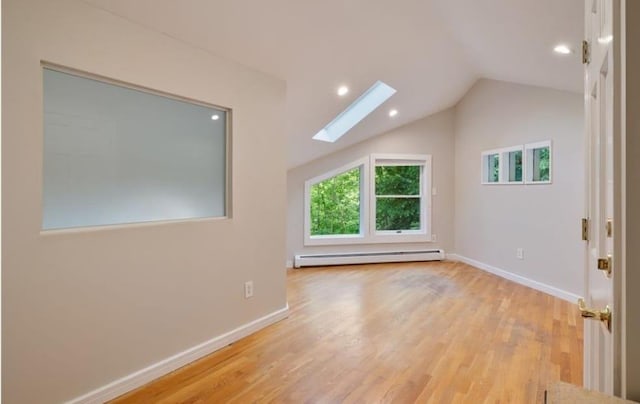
x=357 y=111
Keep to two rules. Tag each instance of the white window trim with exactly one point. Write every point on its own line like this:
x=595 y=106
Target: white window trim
x=528 y=174
x=483 y=169
x=503 y=154
x=368 y=235
x=363 y=163
x=504 y=168
x=406 y=236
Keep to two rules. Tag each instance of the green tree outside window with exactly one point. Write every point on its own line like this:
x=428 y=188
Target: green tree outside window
x=397 y=198
x=335 y=205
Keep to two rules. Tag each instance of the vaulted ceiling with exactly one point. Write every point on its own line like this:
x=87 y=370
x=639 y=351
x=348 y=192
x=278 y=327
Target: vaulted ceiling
x=431 y=51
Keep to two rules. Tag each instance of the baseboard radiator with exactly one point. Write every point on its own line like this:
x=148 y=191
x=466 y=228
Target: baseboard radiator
x=313 y=260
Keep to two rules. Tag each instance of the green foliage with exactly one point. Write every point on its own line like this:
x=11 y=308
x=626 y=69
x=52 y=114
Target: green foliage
x=398 y=180
x=335 y=205
x=515 y=168
x=494 y=167
x=397 y=213
x=394 y=213
x=335 y=202
x=542 y=157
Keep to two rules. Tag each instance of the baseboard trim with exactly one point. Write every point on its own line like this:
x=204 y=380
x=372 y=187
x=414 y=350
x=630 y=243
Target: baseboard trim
x=542 y=287
x=144 y=376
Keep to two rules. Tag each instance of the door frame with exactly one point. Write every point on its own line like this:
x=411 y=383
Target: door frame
x=630 y=198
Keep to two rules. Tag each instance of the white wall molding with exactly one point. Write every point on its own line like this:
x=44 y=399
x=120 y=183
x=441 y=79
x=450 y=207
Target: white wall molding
x=542 y=287
x=158 y=369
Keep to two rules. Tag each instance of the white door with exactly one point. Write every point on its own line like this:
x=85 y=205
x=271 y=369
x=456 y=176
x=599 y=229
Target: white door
x=602 y=61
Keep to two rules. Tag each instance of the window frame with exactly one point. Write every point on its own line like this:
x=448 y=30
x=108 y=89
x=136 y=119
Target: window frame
x=228 y=155
x=527 y=164
x=504 y=165
x=528 y=161
x=484 y=168
x=368 y=233
x=363 y=164
x=405 y=236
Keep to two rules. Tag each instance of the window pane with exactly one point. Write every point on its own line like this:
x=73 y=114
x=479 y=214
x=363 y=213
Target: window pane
x=115 y=155
x=515 y=166
x=335 y=205
x=398 y=180
x=494 y=168
x=397 y=213
x=541 y=164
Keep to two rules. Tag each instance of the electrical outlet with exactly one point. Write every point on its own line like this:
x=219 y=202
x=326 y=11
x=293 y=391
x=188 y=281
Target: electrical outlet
x=434 y=238
x=520 y=253
x=248 y=289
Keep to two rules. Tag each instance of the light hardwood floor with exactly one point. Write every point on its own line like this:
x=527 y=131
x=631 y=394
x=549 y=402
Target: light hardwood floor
x=412 y=332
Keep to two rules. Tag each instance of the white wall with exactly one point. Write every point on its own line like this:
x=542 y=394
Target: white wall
x=492 y=221
x=81 y=309
x=431 y=135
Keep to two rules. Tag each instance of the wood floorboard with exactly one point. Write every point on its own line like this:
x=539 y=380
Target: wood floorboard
x=432 y=332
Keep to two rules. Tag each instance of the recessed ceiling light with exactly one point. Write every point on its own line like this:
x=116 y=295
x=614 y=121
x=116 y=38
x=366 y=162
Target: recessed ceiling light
x=343 y=90
x=215 y=117
x=562 y=49
x=357 y=111
x=393 y=113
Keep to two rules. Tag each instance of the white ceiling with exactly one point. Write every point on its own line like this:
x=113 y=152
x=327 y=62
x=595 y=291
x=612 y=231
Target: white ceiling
x=431 y=51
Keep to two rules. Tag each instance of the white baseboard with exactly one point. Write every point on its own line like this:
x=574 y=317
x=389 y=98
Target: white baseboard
x=289 y=264
x=542 y=287
x=144 y=376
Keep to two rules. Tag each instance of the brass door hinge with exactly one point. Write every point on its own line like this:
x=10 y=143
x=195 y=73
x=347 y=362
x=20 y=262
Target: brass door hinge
x=604 y=264
x=585 y=229
x=586 y=52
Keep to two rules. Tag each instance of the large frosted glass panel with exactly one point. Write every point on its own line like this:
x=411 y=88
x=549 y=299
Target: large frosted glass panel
x=116 y=155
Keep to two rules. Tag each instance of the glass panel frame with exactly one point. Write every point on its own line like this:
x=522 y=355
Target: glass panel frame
x=98 y=168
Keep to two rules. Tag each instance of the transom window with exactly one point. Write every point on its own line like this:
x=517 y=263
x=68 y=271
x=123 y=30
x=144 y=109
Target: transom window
x=523 y=164
x=538 y=162
x=380 y=198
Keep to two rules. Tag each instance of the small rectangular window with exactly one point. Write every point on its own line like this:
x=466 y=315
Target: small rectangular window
x=115 y=154
x=512 y=165
x=539 y=162
x=515 y=166
x=490 y=167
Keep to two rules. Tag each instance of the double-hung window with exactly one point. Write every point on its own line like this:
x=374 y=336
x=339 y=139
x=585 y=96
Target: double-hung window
x=377 y=199
x=398 y=195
